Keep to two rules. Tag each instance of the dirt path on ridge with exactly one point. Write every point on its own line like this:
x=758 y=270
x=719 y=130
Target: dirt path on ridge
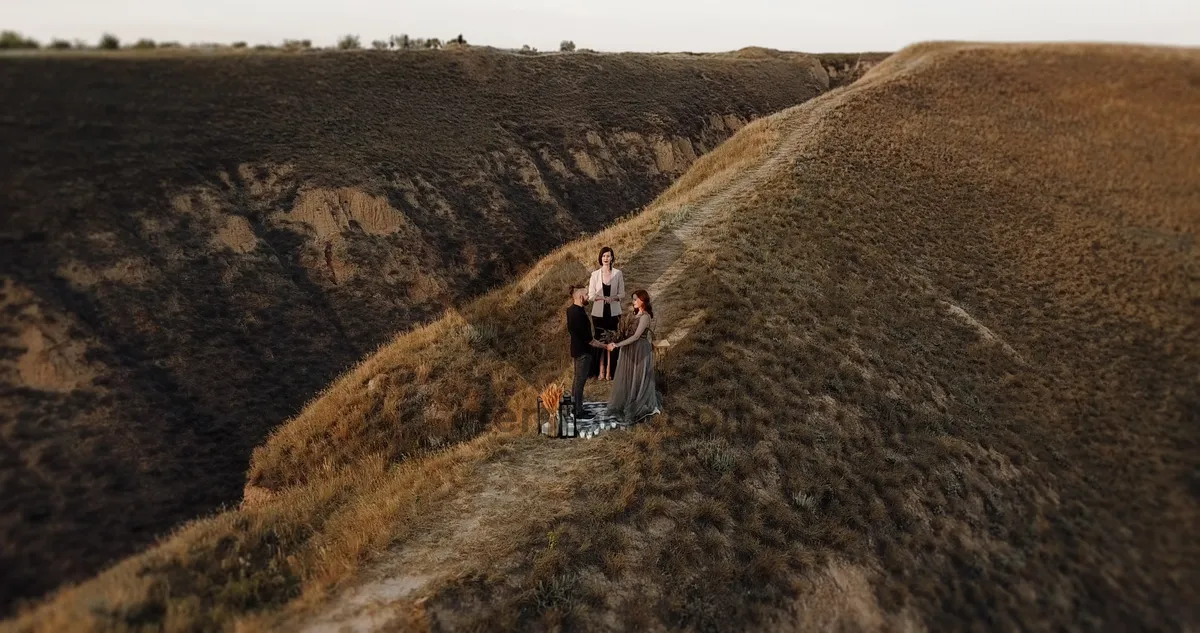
x=507 y=490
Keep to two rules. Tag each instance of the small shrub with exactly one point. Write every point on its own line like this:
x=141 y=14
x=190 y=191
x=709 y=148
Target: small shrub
x=243 y=45
x=716 y=455
x=433 y=42
x=109 y=42
x=567 y=46
x=145 y=43
x=170 y=45
x=480 y=336
x=400 y=42
x=58 y=44
x=379 y=45
x=297 y=45
x=14 y=40
x=349 y=42
x=804 y=500
x=527 y=49
x=556 y=592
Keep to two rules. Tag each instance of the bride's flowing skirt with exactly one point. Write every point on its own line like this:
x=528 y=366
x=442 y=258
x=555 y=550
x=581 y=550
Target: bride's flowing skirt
x=634 y=395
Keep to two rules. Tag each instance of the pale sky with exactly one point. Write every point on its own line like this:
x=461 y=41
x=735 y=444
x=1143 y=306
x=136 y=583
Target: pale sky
x=618 y=25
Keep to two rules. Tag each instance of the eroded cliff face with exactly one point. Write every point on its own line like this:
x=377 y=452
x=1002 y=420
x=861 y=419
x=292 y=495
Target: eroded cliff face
x=403 y=252
x=193 y=248
x=393 y=255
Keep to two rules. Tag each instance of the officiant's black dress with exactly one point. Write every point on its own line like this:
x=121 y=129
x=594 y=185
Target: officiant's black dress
x=607 y=322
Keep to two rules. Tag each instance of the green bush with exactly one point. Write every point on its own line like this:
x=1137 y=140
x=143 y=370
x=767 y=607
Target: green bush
x=110 y=42
x=379 y=45
x=14 y=40
x=59 y=44
x=145 y=43
x=242 y=45
x=349 y=42
x=567 y=46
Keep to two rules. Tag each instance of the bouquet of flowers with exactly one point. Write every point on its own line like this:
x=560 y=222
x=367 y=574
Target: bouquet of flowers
x=626 y=326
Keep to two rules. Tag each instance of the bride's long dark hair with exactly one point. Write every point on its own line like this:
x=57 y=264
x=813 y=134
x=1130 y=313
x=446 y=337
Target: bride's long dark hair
x=645 y=297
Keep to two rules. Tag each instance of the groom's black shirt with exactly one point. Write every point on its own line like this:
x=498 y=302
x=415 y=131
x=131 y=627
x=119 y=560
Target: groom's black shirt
x=580 y=328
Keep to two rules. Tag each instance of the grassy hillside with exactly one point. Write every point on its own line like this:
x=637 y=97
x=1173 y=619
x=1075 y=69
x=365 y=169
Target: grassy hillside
x=194 y=245
x=938 y=371
x=931 y=366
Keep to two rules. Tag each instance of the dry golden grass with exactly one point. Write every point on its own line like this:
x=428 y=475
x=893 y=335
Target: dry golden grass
x=843 y=448
x=835 y=419
x=239 y=562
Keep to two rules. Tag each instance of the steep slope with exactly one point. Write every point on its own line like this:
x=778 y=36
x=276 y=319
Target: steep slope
x=194 y=245
x=946 y=380
x=935 y=370
x=931 y=366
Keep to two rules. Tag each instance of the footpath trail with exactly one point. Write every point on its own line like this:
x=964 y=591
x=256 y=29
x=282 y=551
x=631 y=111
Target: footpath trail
x=502 y=492
x=538 y=481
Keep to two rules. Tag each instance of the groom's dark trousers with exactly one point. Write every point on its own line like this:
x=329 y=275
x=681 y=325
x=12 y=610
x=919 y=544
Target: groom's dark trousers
x=580 y=328
x=583 y=366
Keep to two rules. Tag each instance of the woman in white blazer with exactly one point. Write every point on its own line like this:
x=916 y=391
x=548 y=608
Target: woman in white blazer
x=606 y=289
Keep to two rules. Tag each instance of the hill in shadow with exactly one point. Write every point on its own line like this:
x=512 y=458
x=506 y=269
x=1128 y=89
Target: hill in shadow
x=194 y=245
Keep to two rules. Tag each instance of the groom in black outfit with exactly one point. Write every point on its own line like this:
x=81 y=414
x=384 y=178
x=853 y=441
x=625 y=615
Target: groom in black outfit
x=582 y=338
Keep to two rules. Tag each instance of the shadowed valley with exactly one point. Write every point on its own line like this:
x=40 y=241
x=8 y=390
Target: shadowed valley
x=193 y=246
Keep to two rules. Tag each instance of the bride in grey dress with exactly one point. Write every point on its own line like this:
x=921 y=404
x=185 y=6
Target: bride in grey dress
x=634 y=394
